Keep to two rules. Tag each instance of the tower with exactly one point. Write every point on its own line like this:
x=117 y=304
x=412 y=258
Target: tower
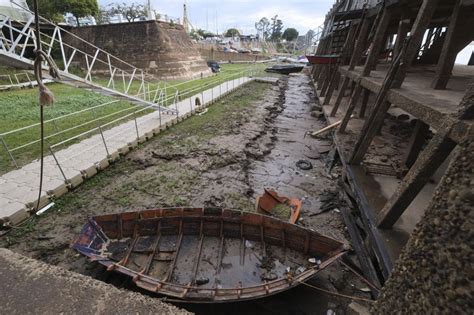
x=185 y=18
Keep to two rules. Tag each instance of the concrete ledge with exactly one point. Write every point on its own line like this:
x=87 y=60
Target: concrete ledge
x=30 y=286
x=58 y=191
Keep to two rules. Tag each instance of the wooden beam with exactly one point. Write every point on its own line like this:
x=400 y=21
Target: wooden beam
x=402 y=31
x=378 y=41
x=363 y=106
x=417 y=141
x=416 y=34
x=424 y=168
x=342 y=91
x=448 y=52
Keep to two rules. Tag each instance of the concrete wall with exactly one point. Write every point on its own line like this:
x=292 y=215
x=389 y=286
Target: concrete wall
x=162 y=49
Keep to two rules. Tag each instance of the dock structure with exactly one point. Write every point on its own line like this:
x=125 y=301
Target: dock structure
x=404 y=107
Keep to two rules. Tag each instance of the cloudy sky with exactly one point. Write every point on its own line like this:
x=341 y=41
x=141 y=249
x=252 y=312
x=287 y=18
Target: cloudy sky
x=242 y=14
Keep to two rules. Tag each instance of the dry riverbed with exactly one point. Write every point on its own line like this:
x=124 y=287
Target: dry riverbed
x=248 y=141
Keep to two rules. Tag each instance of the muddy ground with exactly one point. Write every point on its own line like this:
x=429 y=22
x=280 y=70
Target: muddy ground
x=249 y=141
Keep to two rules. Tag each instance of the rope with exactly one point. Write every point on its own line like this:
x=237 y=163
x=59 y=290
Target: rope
x=46 y=97
x=355 y=298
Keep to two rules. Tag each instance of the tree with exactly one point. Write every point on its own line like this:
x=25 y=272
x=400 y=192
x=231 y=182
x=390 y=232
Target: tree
x=130 y=11
x=55 y=9
x=232 y=32
x=290 y=34
x=103 y=17
x=277 y=27
x=81 y=8
x=263 y=27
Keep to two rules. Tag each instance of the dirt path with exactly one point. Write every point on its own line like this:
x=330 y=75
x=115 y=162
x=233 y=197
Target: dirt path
x=224 y=157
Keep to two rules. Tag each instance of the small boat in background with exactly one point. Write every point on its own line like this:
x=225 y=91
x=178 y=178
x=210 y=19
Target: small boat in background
x=323 y=59
x=285 y=69
x=207 y=255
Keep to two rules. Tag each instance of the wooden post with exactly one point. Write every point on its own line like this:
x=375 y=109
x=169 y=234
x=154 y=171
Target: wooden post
x=417 y=32
x=402 y=31
x=377 y=44
x=378 y=41
x=356 y=56
x=363 y=106
x=425 y=166
x=342 y=90
x=448 y=52
x=417 y=141
x=345 y=52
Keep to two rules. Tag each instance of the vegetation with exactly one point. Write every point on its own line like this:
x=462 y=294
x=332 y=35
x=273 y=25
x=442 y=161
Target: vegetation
x=277 y=27
x=55 y=9
x=131 y=11
x=18 y=108
x=232 y=32
x=290 y=34
x=270 y=29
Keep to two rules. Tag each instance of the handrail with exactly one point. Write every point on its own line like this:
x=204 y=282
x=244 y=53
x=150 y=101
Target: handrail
x=188 y=91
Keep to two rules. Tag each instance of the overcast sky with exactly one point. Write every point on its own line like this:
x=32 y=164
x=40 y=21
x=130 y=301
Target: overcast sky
x=242 y=14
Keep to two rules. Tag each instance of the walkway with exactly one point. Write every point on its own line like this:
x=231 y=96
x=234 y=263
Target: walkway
x=19 y=188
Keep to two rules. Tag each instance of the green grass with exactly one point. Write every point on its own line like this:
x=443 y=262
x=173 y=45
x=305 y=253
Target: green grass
x=19 y=108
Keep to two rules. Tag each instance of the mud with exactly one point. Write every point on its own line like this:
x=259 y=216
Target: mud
x=244 y=143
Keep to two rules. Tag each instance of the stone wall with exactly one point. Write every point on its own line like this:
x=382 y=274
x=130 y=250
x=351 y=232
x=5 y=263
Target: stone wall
x=220 y=56
x=162 y=49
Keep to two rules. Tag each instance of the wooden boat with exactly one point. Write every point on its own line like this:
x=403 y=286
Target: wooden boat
x=323 y=59
x=285 y=69
x=206 y=254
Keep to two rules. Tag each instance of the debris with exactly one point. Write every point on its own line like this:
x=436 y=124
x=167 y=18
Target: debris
x=304 y=165
x=283 y=207
x=202 y=280
x=248 y=244
x=203 y=112
x=337 y=210
x=315 y=133
x=315 y=261
x=268 y=276
x=365 y=289
x=44 y=209
x=300 y=269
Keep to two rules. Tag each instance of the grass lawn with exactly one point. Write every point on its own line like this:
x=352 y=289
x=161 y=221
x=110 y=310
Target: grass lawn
x=19 y=108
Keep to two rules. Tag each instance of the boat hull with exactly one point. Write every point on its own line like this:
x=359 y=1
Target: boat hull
x=206 y=255
x=322 y=59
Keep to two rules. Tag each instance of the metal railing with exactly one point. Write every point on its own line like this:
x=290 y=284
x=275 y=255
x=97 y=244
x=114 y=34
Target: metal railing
x=167 y=96
x=17 y=41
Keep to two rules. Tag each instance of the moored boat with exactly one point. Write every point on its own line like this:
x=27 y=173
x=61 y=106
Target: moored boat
x=285 y=69
x=323 y=59
x=206 y=254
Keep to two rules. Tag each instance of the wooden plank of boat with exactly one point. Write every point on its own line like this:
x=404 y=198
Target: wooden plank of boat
x=323 y=59
x=206 y=255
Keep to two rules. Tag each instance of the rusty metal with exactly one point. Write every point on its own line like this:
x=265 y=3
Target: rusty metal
x=267 y=203
x=168 y=250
